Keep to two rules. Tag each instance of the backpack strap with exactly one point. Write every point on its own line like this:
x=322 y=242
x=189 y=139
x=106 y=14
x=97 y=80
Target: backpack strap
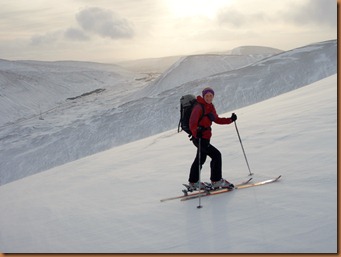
x=203 y=112
x=202 y=116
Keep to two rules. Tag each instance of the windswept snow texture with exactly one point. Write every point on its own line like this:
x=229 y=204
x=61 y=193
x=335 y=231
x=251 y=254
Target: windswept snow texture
x=112 y=106
x=110 y=202
x=28 y=87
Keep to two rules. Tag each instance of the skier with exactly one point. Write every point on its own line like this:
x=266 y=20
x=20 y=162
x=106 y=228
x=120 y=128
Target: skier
x=200 y=122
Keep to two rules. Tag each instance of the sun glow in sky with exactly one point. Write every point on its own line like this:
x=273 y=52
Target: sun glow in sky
x=188 y=8
x=112 y=30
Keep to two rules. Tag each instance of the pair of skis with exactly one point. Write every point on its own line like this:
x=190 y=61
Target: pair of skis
x=203 y=193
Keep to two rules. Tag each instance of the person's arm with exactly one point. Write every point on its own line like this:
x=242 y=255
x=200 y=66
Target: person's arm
x=194 y=119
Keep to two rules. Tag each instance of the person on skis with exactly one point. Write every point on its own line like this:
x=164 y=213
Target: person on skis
x=202 y=116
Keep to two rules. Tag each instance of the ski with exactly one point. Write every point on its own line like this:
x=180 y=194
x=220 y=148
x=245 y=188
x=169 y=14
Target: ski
x=200 y=192
x=260 y=183
x=221 y=191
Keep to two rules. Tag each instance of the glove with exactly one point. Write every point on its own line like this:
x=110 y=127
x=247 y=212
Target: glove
x=233 y=117
x=211 y=116
x=199 y=132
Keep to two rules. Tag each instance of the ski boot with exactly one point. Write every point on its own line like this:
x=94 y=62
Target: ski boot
x=194 y=186
x=223 y=183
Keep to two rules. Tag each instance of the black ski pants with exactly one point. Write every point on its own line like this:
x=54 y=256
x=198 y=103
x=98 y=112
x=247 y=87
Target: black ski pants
x=206 y=150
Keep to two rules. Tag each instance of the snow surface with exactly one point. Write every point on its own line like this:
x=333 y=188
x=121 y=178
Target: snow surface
x=56 y=112
x=110 y=202
x=28 y=87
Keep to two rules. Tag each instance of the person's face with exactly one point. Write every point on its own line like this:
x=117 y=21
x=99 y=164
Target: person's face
x=209 y=98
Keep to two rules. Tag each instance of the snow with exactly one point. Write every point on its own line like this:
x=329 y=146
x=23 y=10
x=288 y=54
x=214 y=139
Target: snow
x=72 y=129
x=251 y=50
x=109 y=202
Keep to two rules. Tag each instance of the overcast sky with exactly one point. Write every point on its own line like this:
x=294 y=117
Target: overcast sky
x=111 y=30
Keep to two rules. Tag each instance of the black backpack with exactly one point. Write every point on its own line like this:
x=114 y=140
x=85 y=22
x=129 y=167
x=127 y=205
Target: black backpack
x=187 y=102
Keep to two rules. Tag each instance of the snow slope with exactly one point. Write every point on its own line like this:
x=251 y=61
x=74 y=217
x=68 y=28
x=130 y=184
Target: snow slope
x=130 y=108
x=110 y=202
x=196 y=67
x=28 y=87
x=252 y=50
x=150 y=65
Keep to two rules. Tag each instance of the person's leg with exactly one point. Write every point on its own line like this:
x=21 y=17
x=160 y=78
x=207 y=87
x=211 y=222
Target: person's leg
x=194 y=172
x=216 y=163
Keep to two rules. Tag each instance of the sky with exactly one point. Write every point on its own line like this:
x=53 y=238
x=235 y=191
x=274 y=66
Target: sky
x=115 y=30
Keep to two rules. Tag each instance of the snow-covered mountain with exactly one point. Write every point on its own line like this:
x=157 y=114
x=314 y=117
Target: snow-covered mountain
x=110 y=202
x=150 y=65
x=28 y=87
x=103 y=106
x=196 y=67
x=253 y=50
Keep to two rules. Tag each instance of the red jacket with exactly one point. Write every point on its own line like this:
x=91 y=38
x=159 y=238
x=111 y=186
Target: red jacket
x=205 y=121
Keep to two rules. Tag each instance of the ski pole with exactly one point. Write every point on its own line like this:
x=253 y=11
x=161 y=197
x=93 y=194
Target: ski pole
x=199 y=157
x=247 y=163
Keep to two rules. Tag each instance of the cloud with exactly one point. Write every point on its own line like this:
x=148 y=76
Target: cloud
x=104 y=23
x=310 y=12
x=90 y=21
x=47 y=38
x=238 y=19
x=75 y=34
x=320 y=12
